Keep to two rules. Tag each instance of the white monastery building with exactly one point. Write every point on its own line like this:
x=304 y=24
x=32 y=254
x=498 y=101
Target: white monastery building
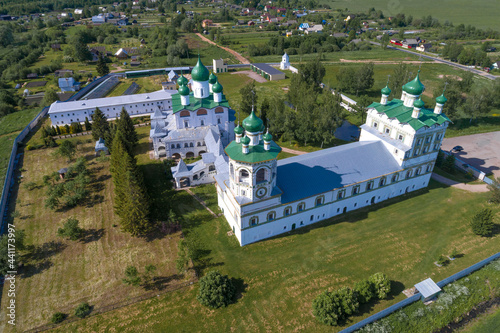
x=262 y=197
x=65 y=113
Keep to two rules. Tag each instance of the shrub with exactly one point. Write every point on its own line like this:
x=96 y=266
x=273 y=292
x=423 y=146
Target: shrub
x=453 y=253
x=332 y=308
x=495 y=191
x=83 y=310
x=365 y=291
x=216 y=290
x=58 y=317
x=449 y=164
x=30 y=186
x=381 y=285
x=71 y=229
x=132 y=276
x=441 y=260
x=482 y=223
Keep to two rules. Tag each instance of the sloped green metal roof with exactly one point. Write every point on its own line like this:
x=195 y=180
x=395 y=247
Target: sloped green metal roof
x=255 y=154
x=196 y=103
x=396 y=109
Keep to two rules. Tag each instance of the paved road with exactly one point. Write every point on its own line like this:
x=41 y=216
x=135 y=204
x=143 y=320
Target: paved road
x=462 y=186
x=482 y=151
x=465 y=68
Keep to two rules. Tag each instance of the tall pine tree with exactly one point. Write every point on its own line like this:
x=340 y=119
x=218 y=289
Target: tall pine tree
x=102 y=68
x=100 y=127
x=131 y=199
x=126 y=127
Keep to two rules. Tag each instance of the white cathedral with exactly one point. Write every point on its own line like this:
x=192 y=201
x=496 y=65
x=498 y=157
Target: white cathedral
x=262 y=197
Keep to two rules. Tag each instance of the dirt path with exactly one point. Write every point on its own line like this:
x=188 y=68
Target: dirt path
x=252 y=75
x=238 y=56
x=293 y=151
x=200 y=201
x=462 y=186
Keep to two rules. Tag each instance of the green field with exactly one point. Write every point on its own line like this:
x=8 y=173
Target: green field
x=280 y=277
x=482 y=13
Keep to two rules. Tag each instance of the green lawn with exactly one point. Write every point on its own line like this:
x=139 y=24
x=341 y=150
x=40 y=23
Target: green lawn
x=280 y=277
x=481 y=14
x=119 y=89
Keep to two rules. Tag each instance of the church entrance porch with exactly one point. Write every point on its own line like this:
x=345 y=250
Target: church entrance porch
x=184 y=182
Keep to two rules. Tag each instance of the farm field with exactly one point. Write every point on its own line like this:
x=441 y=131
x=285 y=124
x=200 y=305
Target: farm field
x=59 y=274
x=488 y=322
x=481 y=14
x=280 y=277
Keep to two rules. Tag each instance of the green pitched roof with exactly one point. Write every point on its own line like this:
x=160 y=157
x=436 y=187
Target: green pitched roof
x=256 y=154
x=196 y=103
x=396 y=109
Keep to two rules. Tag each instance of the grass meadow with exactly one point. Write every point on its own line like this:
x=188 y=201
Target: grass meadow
x=279 y=278
x=481 y=14
x=59 y=274
x=488 y=322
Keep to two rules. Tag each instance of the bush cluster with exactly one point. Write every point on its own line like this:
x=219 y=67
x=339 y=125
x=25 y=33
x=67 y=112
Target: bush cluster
x=333 y=308
x=216 y=290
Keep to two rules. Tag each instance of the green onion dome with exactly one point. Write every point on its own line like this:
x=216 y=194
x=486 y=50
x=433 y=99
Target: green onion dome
x=267 y=137
x=200 y=72
x=252 y=123
x=217 y=88
x=212 y=78
x=414 y=87
x=182 y=81
x=441 y=99
x=245 y=141
x=386 y=91
x=184 y=90
x=238 y=130
x=419 y=103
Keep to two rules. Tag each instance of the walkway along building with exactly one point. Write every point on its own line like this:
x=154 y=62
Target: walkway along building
x=262 y=197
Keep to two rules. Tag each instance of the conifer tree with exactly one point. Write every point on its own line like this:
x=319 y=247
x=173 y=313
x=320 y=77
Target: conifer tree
x=102 y=68
x=131 y=200
x=88 y=126
x=126 y=127
x=100 y=127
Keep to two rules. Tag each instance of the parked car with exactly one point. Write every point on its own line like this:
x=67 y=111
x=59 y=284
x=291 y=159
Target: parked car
x=457 y=149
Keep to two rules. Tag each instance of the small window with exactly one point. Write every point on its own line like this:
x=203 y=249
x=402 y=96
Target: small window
x=311 y=218
x=387 y=130
x=191 y=144
x=271 y=216
x=178 y=146
x=253 y=221
x=429 y=168
x=218 y=121
x=301 y=207
x=369 y=186
x=375 y=124
x=319 y=201
x=417 y=172
x=243 y=193
x=355 y=190
x=288 y=211
x=341 y=195
x=186 y=145
x=394 y=178
x=202 y=123
x=408 y=174
x=396 y=151
x=172 y=146
x=419 y=142
x=401 y=137
x=415 y=153
x=381 y=182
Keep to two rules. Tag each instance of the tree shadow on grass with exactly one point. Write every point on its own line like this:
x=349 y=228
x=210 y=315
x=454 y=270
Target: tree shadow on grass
x=92 y=235
x=30 y=269
x=240 y=288
x=36 y=259
x=161 y=282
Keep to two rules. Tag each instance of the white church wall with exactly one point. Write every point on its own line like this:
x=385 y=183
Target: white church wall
x=314 y=214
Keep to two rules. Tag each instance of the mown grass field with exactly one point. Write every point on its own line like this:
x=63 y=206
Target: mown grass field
x=481 y=14
x=59 y=274
x=282 y=276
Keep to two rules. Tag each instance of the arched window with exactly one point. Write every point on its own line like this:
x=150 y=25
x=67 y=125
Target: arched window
x=271 y=216
x=219 y=110
x=288 y=211
x=178 y=145
x=186 y=145
x=172 y=146
x=301 y=207
x=244 y=175
x=394 y=178
x=418 y=171
x=195 y=177
x=185 y=113
x=429 y=168
x=261 y=175
x=191 y=144
x=231 y=170
x=211 y=168
x=408 y=174
x=381 y=182
x=319 y=201
x=201 y=112
x=198 y=144
x=202 y=174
